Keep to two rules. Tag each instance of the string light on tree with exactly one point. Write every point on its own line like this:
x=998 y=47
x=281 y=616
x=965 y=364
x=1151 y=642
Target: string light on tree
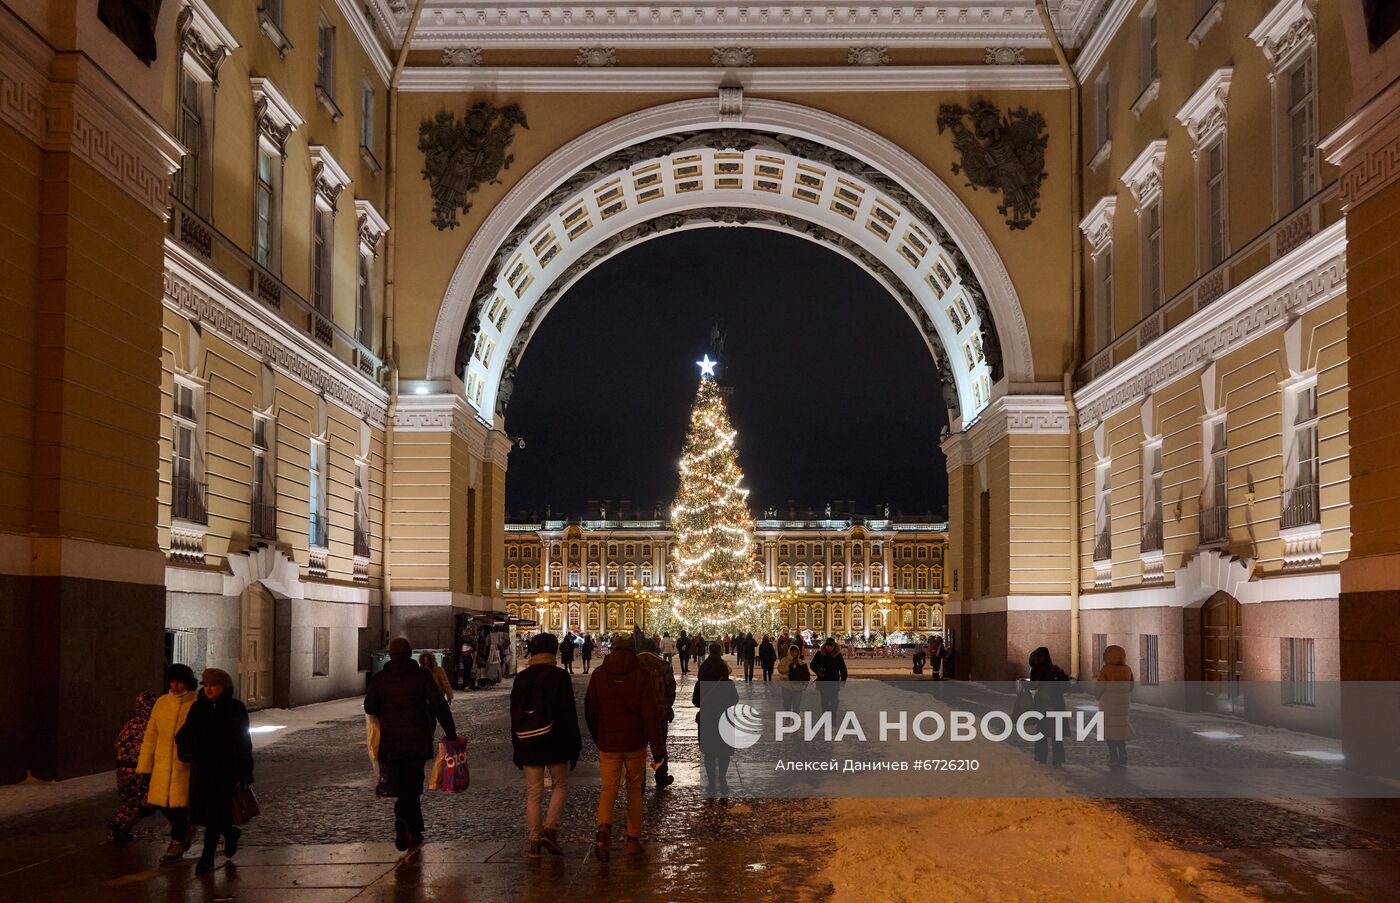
x=717 y=586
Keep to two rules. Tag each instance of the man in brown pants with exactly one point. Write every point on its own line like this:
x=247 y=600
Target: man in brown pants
x=623 y=716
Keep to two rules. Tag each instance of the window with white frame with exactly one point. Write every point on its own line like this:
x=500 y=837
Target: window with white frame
x=317 y=494
x=267 y=208
x=1214 y=199
x=573 y=578
x=1215 y=498
x=192 y=129
x=1301 y=156
x=1103 y=110
x=784 y=575
x=1103 y=296
x=1151 y=224
x=1103 y=511
x=1300 y=464
x=186 y=456
x=1147 y=43
x=1152 y=496
x=325 y=60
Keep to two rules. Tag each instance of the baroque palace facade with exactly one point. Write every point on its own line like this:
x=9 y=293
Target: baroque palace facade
x=270 y=268
x=843 y=575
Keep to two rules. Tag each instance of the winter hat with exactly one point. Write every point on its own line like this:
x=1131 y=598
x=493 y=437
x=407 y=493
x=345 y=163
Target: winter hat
x=400 y=647
x=622 y=641
x=544 y=644
x=181 y=673
x=215 y=676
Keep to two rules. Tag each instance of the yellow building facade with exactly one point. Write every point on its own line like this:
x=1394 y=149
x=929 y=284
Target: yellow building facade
x=261 y=363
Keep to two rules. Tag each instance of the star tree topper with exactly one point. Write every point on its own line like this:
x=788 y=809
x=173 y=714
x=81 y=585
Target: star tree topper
x=707 y=367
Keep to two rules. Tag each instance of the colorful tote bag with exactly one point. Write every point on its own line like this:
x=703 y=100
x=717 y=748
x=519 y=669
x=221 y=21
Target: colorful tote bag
x=455 y=776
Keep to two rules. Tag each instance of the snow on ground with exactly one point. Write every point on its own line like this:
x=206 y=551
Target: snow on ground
x=1041 y=850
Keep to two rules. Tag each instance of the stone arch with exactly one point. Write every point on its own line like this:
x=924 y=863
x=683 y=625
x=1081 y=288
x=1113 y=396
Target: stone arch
x=831 y=181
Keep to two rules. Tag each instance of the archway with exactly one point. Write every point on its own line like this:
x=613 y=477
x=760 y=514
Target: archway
x=779 y=166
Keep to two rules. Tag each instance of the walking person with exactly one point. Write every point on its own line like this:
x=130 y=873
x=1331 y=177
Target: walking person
x=936 y=655
x=132 y=788
x=663 y=680
x=1048 y=685
x=216 y=744
x=795 y=676
x=466 y=663
x=566 y=651
x=714 y=694
x=830 y=667
x=668 y=648
x=1113 y=686
x=623 y=718
x=159 y=758
x=683 y=650
x=748 y=654
x=428 y=662
x=407 y=702
x=545 y=738
x=587 y=650
x=767 y=657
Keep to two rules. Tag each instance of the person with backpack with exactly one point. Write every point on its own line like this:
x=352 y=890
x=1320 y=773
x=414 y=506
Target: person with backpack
x=1048 y=685
x=406 y=701
x=545 y=738
x=830 y=667
x=587 y=650
x=794 y=672
x=664 y=683
x=623 y=717
x=767 y=657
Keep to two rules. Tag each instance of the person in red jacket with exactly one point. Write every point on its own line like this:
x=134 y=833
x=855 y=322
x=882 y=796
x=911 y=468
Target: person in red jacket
x=623 y=716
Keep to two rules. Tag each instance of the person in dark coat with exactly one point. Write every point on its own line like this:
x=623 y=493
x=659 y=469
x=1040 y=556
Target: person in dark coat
x=714 y=694
x=544 y=738
x=586 y=650
x=407 y=702
x=623 y=717
x=830 y=668
x=566 y=652
x=131 y=787
x=767 y=657
x=748 y=653
x=683 y=650
x=664 y=683
x=216 y=744
x=936 y=654
x=1048 y=685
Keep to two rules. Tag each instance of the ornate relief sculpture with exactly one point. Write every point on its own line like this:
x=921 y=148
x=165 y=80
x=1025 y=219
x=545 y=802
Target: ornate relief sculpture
x=1002 y=153
x=458 y=157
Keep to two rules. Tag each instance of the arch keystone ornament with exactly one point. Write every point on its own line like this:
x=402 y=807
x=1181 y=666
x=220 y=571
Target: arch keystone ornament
x=681 y=165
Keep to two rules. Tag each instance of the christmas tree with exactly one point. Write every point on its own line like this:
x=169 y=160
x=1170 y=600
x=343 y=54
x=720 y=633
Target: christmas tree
x=716 y=587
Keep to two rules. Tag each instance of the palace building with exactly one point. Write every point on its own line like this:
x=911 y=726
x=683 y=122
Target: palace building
x=840 y=574
x=270 y=269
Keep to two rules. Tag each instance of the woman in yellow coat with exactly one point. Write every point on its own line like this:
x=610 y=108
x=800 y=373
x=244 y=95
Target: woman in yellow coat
x=170 y=778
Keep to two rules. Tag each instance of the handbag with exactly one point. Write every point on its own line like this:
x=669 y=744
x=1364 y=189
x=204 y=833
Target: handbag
x=245 y=805
x=456 y=777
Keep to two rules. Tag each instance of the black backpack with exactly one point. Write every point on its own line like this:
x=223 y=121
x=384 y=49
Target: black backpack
x=532 y=716
x=799 y=673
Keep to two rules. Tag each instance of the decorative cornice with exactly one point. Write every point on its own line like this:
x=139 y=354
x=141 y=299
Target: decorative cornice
x=1203 y=114
x=1311 y=275
x=867 y=56
x=1097 y=226
x=1285 y=28
x=371 y=224
x=368 y=37
x=1009 y=415
x=632 y=79
x=1095 y=25
x=1144 y=175
x=195 y=291
x=328 y=177
x=24 y=65
x=204 y=38
x=596 y=57
x=461 y=56
x=445 y=413
x=275 y=116
x=1367 y=148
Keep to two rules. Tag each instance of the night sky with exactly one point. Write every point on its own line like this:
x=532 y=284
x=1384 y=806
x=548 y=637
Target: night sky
x=835 y=394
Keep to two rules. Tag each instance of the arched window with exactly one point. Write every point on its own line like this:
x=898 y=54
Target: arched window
x=612 y=576
x=646 y=575
x=612 y=550
x=838 y=576
x=575 y=617
x=513 y=577
x=593 y=617
x=592 y=550
x=908 y=617
x=801 y=549
x=923 y=552
x=573 y=578
x=783 y=549
x=838 y=618
x=512 y=611
x=629 y=615
x=908 y=580
x=818 y=576
x=556 y=576
x=877 y=576
x=937 y=577
x=630 y=550
x=556 y=616
x=593 y=574
x=936 y=617
x=613 y=618
x=817 y=616
x=799 y=575
x=923 y=579
x=629 y=574
x=923 y=617
x=858 y=616
x=874 y=550
x=784 y=575
x=857 y=576
x=573 y=550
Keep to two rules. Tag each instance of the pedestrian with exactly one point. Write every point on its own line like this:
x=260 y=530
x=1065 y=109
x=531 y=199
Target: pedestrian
x=545 y=738
x=728 y=641
x=795 y=676
x=1048 y=685
x=466 y=663
x=169 y=777
x=714 y=694
x=493 y=661
x=697 y=649
x=664 y=684
x=428 y=662
x=668 y=647
x=587 y=650
x=919 y=657
x=407 y=702
x=131 y=787
x=637 y=636
x=830 y=667
x=748 y=654
x=767 y=657
x=623 y=718
x=783 y=643
x=1114 y=688
x=936 y=656
x=566 y=651
x=216 y=744
x=683 y=650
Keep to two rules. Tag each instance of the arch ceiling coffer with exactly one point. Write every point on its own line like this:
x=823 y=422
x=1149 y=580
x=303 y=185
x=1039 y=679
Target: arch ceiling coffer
x=741 y=177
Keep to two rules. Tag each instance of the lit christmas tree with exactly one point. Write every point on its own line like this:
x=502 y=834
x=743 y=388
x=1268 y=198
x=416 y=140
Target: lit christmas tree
x=716 y=587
